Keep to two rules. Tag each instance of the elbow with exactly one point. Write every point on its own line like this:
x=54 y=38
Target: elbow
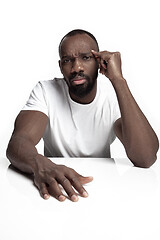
x=146 y=163
x=8 y=152
x=143 y=161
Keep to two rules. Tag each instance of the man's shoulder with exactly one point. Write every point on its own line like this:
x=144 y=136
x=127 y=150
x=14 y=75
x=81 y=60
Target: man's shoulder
x=52 y=82
x=51 y=85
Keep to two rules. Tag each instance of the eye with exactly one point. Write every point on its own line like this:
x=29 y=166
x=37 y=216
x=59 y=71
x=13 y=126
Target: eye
x=86 y=58
x=67 y=60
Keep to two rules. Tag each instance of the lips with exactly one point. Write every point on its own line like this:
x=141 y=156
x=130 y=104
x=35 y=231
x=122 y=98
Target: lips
x=78 y=81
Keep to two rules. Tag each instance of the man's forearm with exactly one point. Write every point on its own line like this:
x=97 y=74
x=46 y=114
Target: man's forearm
x=47 y=175
x=139 y=139
x=22 y=153
x=133 y=129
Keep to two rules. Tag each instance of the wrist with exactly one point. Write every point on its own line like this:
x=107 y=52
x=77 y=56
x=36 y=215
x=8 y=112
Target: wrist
x=119 y=81
x=36 y=162
x=41 y=163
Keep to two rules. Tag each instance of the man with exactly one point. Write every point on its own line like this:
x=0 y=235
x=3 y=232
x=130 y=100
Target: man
x=78 y=117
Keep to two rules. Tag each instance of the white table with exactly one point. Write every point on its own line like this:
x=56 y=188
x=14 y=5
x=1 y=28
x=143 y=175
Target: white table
x=123 y=204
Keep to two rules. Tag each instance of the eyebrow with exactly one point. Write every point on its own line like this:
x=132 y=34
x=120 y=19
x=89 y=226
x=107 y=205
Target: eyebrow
x=81 y=54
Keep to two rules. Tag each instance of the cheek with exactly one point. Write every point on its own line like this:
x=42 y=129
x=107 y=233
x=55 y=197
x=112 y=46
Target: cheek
x=92 y=69
x=65 y=71
x=93 y=64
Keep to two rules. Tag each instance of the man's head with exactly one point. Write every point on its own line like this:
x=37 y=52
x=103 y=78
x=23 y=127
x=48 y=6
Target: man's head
x=77 y=63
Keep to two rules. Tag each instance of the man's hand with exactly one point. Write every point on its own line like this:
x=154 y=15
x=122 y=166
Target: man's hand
x=48 y=176
x=109 y=64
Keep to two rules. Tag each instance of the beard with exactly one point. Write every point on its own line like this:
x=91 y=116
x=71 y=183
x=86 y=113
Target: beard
x=82 y=90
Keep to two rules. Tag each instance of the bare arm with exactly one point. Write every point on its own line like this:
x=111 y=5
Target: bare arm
x=133 y=129
x=22 y=153
x=28 y=130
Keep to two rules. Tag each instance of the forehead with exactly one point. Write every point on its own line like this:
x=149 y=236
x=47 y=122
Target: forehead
x=74 y=45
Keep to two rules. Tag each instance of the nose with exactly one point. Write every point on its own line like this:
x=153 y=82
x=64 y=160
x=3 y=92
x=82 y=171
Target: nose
x=77 y=66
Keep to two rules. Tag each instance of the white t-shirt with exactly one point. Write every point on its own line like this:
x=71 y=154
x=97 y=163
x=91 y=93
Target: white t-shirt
x=75 y=130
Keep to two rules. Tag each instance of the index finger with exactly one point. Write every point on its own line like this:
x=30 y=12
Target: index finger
x=96 y=54
x=106 y=55
x=75 y=181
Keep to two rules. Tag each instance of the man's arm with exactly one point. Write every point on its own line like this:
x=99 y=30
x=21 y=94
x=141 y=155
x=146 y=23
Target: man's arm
x=22 y=153
x=133 y=129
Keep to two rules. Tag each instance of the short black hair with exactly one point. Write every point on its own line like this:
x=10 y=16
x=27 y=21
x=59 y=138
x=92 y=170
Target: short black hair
x=75 y=32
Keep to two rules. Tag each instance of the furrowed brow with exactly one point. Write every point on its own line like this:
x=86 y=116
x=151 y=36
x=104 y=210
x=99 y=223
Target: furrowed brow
x=64 y=57
x=81 y=54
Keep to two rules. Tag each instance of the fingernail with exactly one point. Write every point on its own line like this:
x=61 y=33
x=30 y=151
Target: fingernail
x=46 y=196
x=85 y=194
x=74 y=198
x=91 y=177
x=61 y=198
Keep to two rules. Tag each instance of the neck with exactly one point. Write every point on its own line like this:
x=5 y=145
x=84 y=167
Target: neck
x=86 y=99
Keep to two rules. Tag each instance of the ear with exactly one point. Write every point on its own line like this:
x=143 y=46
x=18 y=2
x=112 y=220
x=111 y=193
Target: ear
x=59 y=62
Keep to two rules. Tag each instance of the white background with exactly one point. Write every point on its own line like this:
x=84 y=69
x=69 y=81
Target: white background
x=31 y=30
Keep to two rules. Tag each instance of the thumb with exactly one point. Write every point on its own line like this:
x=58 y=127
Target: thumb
x=85 y=180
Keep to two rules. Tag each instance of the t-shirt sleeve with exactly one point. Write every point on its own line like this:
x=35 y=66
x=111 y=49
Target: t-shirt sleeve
x=37 y=100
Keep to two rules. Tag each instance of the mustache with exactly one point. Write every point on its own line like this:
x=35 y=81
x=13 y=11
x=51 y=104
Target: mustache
x=77 y=75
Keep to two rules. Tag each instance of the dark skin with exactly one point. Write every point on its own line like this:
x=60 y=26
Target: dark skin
x=76 y=57
x=79 y=57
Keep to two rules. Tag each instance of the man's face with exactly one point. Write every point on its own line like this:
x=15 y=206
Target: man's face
x=78 y=65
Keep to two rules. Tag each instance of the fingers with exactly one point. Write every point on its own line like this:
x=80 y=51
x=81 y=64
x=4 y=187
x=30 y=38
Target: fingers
x=55 y=190
x=43 y=191
x=50 y=183
x=104 y=54
x=66 y=184
x=96 y=54
x=53 y=187
x=78 y=186
x=76 y=183
x=101 y=60
x=109 y=64
x=74 y=180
